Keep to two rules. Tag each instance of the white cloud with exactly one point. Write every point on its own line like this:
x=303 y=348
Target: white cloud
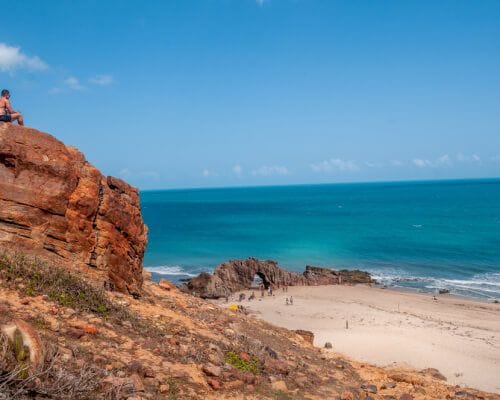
x=334 y=164
x=238 y=170
x=422 y=163
x=397 y=163
x=12 y=58
x=102 y=80
x=370 y=164
x=55 y=90
x=73 y=83
x=271 y=170
x=473 y=158
x=444 y=160
x=208 y=173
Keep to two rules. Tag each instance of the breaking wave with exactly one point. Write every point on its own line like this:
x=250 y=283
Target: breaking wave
x=172 y=270
x=486 y=285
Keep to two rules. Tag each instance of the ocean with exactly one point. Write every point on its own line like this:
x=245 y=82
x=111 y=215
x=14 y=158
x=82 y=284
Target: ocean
x=425 y=235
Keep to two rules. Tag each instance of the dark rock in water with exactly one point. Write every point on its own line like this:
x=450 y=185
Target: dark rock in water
x=236 y=275
x=443 y=291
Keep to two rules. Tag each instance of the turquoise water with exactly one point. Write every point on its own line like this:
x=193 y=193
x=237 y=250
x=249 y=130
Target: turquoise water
x=424 y=235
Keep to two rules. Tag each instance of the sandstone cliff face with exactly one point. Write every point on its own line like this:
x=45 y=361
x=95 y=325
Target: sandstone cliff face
x=57 y=206
x=236 y=275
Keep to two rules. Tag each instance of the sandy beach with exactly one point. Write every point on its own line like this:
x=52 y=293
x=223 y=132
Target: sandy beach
x=459 y=337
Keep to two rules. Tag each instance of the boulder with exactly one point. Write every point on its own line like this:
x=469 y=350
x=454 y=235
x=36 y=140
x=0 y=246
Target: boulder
x=57 y=206
x=308 y=336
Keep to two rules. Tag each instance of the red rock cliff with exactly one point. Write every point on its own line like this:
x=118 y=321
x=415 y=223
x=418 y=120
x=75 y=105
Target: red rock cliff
x=57 y=206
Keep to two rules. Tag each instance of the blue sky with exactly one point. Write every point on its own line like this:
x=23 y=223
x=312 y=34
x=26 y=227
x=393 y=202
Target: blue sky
x=195 y=93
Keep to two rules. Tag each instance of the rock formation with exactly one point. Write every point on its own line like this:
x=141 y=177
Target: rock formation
x=236 y=275
x=62 y=209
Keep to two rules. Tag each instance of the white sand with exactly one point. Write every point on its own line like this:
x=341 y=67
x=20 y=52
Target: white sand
x=461 y=338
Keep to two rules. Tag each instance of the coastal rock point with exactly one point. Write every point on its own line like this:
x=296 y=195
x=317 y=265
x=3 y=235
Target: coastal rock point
x=236 y=275
x=58 y=207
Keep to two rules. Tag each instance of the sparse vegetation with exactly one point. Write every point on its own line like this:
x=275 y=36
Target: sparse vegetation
x=173 y=389
x=33 y=277
x=52 y=381
x=280 y=395
x=238 y=362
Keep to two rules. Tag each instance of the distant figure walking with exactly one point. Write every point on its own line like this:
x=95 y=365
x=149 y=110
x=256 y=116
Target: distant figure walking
x=291 y=300
x=287 y=303
x=241 y=297
x=251 y=297
x=7 y=113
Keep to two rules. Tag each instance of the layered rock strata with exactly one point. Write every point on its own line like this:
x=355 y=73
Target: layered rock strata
x=57 y=206
x=236 y=275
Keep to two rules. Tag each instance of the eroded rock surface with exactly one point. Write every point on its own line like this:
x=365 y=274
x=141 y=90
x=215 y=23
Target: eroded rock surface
x=57 y=206
x=236 y=275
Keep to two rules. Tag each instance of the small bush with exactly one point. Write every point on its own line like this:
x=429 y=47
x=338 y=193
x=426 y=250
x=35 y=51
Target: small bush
x=236 y=361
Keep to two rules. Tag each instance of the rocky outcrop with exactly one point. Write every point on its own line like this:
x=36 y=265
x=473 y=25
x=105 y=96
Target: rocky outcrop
x=236 y=275
x=57 y=206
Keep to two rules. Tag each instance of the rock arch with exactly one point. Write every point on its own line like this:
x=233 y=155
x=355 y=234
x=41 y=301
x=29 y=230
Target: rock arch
x=235 y=275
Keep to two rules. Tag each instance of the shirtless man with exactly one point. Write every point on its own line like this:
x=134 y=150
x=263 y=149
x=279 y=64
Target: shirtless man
x=7 y=113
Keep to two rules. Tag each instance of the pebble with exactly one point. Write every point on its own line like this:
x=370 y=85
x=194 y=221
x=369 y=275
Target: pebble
x=369 y=388
x=279 y=385
x=164 y=388
x=212 y=370
x=346 y=395
x=75 y=333
x=214 y=384
x=90 y=329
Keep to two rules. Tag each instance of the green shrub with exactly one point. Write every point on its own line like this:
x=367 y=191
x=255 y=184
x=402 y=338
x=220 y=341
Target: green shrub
x=236 y=361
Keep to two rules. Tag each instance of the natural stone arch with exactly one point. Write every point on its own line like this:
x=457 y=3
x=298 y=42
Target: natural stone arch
x=259 y=276
x=237 y=275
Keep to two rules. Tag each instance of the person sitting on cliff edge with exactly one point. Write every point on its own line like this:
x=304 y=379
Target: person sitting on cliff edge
x=7 y=113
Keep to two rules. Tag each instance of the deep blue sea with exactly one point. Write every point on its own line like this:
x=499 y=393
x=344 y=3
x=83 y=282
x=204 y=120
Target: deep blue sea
x=423 y=235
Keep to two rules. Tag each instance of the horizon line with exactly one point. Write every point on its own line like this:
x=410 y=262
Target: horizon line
x=323 y=184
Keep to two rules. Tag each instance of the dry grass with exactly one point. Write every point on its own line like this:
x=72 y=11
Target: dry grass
x=33 y=277
x=53 y=381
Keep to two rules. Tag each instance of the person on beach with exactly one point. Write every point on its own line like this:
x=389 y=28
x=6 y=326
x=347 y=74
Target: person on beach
x=7 y=113
x=287 y=303
x=291 y=300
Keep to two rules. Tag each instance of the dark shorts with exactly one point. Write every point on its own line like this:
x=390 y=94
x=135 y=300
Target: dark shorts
x=5 y=118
